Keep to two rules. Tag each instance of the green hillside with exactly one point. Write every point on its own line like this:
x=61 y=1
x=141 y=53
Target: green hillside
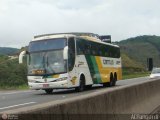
x=8 y=51
x=12 y=74
x=140 y=48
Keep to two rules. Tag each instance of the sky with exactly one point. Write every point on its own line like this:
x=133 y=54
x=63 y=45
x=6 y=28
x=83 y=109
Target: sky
x=20 y=20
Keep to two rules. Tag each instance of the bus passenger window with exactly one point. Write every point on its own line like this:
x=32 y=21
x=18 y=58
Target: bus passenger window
x=71 y=53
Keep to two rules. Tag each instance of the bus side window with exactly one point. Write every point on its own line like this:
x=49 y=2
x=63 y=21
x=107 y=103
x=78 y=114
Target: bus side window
x=83 y=46
x=110 y=52
x=87 y=48
x=93 y=49
x=106 y=51
x=99 y=49
x=71 y=53
x=117 y=53
x=80 y=46
x=103 y=50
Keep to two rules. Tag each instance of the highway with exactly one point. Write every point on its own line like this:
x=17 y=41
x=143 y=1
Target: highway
x=16 y=99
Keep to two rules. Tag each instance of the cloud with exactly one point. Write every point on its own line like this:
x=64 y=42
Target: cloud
x=20 y=20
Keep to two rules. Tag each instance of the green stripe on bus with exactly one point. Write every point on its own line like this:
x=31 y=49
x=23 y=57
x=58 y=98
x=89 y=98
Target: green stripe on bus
x=96 y=69
x=92 y=64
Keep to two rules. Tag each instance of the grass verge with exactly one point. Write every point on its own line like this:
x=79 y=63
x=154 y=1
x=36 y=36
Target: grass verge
x=21 y=87
x=135 y=75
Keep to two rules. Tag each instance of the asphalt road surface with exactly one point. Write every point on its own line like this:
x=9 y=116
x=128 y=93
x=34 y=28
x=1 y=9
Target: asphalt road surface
x=17 y=99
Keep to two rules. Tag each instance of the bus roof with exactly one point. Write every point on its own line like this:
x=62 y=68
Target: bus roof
x=97 y=40
x=50 y=36
x=87 y=36
x=70 y=33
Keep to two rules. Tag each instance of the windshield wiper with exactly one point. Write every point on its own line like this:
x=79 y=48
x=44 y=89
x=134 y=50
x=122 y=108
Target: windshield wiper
x=47 y=61
x=44 y=66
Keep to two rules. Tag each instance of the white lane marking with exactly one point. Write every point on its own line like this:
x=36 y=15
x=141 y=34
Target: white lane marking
x=10 y=93
x=17 y=105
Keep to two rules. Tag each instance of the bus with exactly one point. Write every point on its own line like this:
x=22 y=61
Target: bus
x=71 y=60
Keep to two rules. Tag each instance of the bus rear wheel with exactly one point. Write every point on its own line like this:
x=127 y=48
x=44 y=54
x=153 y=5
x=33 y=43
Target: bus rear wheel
x=114 y=80
x=107 y=84
x=111 y=83
x=49 y=91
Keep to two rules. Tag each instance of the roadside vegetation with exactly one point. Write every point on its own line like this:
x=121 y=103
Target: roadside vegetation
x=139 y=48
x=129 y=75
x=12 y=74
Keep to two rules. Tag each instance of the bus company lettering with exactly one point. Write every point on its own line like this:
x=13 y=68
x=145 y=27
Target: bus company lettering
x=108 y=62
x=118 y=62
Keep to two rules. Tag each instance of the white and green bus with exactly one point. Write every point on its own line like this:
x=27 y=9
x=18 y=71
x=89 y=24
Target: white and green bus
x=71 y=60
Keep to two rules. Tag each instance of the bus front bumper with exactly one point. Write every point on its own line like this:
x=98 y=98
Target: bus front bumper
x=49 y=85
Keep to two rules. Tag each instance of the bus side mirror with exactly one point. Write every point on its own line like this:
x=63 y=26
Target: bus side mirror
x=65 y=53
x=21 y=55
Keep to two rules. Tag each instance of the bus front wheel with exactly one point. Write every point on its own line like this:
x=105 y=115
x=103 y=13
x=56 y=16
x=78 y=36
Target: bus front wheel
x=81 y=86
x=49 y=91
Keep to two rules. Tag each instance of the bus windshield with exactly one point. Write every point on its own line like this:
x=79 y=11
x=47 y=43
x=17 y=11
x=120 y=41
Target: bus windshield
x=45 y=45
x=46 y=60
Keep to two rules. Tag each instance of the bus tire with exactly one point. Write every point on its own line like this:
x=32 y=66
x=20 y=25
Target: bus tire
x=49 y=91
x=114 y=79
x=111 y=83
x=88 y=86
x=107 y=84
x=81 y=86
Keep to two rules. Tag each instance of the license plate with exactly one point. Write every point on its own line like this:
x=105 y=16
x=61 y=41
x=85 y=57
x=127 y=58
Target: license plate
x=45 y=85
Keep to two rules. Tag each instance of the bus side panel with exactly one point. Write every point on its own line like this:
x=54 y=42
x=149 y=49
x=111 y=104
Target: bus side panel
x=106 y=66
x=93 y=68
x=80 y=67
x=101 y=68
x=104 y=72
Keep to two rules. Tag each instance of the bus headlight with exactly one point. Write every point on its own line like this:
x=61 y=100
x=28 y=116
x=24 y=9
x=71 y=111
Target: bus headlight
x=61 y=79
